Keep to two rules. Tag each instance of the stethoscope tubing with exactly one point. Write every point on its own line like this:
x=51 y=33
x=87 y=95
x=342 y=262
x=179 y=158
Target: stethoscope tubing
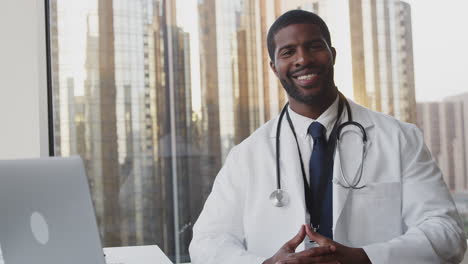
x=278 y=194
x=278 y=131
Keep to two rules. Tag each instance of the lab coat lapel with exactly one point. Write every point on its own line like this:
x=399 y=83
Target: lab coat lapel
x=290 y=166
x=340 y=194
x=291 y=175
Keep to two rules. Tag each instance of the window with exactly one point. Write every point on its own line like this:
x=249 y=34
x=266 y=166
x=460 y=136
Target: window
x=153 y=94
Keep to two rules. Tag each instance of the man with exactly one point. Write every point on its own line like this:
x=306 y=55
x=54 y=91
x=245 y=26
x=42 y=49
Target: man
x=399 y=212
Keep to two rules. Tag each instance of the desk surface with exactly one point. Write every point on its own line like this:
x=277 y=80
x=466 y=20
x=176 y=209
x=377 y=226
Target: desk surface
x=136 y=255
x=131 y=255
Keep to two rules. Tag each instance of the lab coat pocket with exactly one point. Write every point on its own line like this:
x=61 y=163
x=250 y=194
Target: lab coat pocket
x=374 y=213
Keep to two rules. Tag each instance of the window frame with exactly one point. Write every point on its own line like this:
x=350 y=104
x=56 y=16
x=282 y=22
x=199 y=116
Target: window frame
x=23 y=76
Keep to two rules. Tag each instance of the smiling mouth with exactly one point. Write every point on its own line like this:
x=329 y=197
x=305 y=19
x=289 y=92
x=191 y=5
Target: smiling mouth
x=306 y=79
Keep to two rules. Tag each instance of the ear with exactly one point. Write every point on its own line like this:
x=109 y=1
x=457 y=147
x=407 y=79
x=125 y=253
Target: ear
x=333 y=50
x=272 y=66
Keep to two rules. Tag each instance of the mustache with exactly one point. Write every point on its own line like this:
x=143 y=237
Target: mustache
x=311 y=67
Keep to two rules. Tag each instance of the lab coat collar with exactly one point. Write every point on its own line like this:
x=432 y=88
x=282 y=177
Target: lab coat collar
x=359 y=115
x=327 y=119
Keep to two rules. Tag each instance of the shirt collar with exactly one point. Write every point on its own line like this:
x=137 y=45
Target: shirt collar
x=327 y=119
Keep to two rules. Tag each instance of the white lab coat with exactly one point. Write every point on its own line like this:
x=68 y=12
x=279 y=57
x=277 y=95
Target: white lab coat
x=404 y=215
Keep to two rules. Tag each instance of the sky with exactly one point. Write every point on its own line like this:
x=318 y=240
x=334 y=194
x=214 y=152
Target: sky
x=440 y=48
x=439 y=38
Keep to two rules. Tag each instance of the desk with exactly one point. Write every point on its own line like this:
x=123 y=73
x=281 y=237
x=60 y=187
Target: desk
x=136 y=255
x=131 y=255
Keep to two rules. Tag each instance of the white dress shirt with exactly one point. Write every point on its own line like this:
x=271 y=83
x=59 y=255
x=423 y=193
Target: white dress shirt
x=306 y=143
x=301 y=125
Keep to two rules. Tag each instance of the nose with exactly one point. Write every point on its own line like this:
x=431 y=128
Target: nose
x=303 y=57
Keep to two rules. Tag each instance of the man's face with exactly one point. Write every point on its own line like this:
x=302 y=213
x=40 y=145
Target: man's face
x=304 y=62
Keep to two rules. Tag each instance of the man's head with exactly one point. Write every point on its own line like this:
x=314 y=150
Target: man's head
x=295 y=17
x=302 y=57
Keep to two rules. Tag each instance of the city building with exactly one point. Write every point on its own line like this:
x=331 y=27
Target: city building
x=445 y=135
x=460 y=143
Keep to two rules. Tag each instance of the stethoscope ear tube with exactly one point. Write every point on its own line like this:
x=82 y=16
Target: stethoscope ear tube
x=350 y=122
x=278 y=131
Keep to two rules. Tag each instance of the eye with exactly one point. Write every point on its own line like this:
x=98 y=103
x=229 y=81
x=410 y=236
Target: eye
x=287 y=52
x=317 y=45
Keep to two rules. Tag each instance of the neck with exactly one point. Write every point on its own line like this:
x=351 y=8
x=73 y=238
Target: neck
x=314 y=110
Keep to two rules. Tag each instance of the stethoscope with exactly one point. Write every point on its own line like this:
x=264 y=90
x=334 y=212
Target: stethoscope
x=280 y=197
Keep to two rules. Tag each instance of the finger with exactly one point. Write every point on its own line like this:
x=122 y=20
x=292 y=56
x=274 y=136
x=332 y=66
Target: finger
x=317 y=251
x=296 y=240
x=321 y=240
x=293 y=258
x=323 y=259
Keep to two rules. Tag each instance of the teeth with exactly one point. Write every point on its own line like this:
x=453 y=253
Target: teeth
x=306 y=77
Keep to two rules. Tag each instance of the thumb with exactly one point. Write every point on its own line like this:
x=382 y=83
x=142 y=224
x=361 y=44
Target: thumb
x=292 y=244
x=314 y=236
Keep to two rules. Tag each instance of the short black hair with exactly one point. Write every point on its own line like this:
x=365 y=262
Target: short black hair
x=292 y=17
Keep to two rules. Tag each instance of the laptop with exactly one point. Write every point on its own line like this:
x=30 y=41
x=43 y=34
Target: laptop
x=46 y=213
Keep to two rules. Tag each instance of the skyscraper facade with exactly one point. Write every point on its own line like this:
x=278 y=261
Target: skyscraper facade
x=460 y=144
x=445 y=134
x=406 y=95
x=382 y=56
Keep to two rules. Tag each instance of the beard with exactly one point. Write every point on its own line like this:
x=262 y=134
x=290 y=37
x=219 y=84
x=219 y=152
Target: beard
x=293 y=91
x=328 y=90
x=313 y=99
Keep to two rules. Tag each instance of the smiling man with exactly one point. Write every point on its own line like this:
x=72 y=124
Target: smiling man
x=287 y=193
x=303 y=60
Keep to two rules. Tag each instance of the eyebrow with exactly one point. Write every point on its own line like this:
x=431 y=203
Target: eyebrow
x=285 y=47
x=306 y=43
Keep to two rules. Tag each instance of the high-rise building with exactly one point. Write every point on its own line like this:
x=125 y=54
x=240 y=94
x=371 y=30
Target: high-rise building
x=444 y=132
x=405 y=96
x=210 y=113
x=428 y=121
x=54 y=59
x=133 y=133
x=447 y=141
x=100 y=122
x=106 y=129
x=158 y=124
x=92 y=151
x=382 y=56
x=460 y=144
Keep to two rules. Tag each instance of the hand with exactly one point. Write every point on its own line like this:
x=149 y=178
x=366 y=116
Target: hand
x=286 y=254
x=343 y=254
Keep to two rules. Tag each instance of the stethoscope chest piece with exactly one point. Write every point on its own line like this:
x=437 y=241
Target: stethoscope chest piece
x=279 y=198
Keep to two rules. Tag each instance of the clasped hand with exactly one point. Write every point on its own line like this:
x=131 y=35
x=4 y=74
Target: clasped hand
x=328 y=251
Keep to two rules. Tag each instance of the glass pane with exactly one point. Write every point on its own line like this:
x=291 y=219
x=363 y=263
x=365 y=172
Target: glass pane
x=153 y=94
